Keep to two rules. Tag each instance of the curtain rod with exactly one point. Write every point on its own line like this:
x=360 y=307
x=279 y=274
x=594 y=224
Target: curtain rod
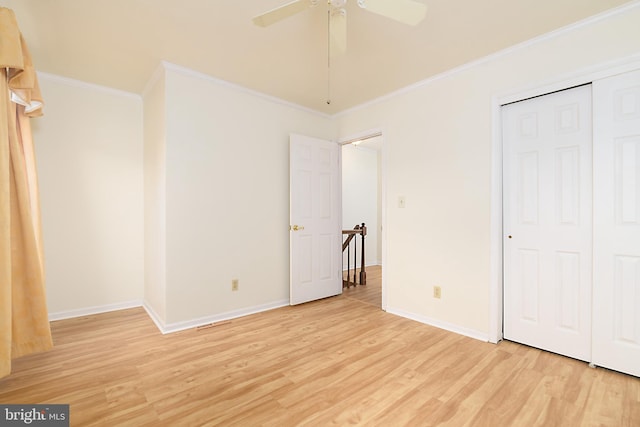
x=362 y=139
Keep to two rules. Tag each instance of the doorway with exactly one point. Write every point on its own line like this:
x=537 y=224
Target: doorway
x=362 y=194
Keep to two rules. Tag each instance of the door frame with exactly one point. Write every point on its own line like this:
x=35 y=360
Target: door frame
x=556 y=83
x=383 y=202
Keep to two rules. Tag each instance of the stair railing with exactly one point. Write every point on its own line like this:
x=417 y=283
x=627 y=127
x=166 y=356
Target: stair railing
x=361 y=278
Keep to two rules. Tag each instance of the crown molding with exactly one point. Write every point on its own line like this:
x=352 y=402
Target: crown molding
x=84 y=85
x=497 y=55
x=189 y=72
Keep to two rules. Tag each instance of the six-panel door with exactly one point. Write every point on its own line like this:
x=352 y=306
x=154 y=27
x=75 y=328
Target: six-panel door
x=547 y=222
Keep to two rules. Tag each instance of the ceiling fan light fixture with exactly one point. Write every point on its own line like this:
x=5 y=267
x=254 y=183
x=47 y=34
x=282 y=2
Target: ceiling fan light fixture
x=410 y=12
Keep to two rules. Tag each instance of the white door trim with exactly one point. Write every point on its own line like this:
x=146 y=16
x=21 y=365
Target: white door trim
x=383 y=234
x=561 y=82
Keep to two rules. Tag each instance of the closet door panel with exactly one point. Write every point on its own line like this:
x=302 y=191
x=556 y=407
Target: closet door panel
x=616 y=289
x=547 y=222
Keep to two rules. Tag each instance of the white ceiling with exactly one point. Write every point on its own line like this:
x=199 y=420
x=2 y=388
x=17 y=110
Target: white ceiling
x=119 y=43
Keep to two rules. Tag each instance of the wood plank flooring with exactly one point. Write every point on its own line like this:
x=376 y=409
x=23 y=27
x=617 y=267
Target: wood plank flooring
x=371 y=293
x=331 y=362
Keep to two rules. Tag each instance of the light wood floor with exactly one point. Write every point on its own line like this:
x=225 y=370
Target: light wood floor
x=371 y=293
x=331 y=362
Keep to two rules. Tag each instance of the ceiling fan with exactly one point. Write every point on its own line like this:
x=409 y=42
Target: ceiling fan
x=408 y=12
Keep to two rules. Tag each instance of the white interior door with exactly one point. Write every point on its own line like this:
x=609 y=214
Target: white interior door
x=547 y=222
x=616 y=291
x=315 y=215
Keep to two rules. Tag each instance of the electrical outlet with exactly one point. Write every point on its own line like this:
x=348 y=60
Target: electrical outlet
x=234 y=284
x=437 y=292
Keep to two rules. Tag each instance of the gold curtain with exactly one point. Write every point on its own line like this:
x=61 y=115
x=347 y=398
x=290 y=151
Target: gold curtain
x=24 y=324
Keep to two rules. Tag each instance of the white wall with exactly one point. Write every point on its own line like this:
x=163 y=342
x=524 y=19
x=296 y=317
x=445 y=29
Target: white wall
x=360 y=197
x=439 y=151
x=227 y=195
x=89 y=157
x=155 y=292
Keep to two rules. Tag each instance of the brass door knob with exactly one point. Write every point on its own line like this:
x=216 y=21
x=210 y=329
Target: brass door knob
x=296 y=227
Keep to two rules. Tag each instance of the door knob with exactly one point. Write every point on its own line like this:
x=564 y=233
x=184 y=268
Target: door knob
x=297 y=227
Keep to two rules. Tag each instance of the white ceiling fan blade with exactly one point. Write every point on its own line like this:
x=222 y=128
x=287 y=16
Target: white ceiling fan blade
x=406 y=11
x=282 y=12
x=338 y=31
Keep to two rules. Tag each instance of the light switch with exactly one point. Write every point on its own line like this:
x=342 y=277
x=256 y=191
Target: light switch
x=401 y=202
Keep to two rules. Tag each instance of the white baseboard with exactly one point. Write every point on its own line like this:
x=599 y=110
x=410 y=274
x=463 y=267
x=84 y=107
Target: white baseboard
x=471 y=333
x=154 y=316
x=172 y=327
x=194 y=323
x=60 y=315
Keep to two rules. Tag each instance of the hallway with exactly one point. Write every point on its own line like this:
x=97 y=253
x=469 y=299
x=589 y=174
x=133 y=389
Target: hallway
x=371 y=293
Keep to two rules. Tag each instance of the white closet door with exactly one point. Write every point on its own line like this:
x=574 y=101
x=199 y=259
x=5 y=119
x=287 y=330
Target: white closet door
x=547 y=222
x=616 y=291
